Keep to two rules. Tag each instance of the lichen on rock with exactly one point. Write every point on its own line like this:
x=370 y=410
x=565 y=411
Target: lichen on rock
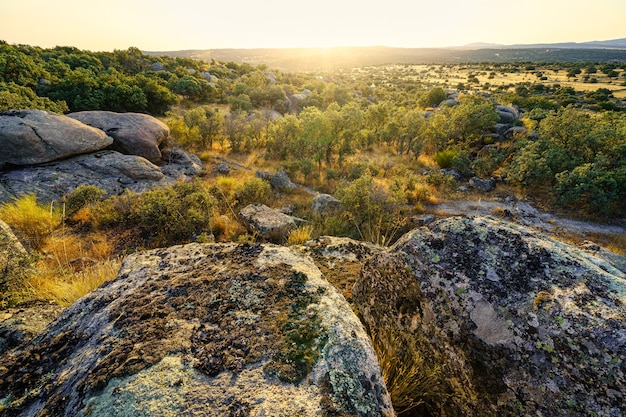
x=218 y=329
x=518 y=323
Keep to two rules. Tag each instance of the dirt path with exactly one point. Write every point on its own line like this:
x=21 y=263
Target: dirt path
x=524 y=213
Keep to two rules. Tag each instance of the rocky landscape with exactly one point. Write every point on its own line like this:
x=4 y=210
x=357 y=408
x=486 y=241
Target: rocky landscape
x=124 y=151
x=488 y=315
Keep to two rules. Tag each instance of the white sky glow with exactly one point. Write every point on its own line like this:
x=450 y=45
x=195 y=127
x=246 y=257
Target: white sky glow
x=160 y=25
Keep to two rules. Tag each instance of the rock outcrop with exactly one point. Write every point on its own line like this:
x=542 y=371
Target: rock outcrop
x=109 y=170
x=29 y=137
x=270 y=225
x=26 y=320
x=132 y=133
x=340 y=259
x=508 y=321
x=203 y=330
x=483 y=184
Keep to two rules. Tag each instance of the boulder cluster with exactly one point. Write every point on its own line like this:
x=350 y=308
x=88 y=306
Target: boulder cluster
x=49 y=154
x=486 y=316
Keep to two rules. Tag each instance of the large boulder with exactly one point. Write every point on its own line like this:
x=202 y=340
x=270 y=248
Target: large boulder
x=506 y=320
x=507 y=114
x=133 y=133
x=29 y=137
x=109 y=170
x=21 y=323
x=202 y=330
x=271 y=225
x=483 y=184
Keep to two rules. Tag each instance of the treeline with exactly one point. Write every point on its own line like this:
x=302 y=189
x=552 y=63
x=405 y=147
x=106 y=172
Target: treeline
x=66 y=79
x=569 y=147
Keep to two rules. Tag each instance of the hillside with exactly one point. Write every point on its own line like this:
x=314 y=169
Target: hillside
x=311 y=59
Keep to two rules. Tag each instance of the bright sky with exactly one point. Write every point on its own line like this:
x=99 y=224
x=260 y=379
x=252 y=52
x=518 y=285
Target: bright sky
x=160 y=25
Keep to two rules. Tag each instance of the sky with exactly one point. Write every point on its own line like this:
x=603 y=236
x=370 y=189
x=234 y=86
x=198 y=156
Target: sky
x=159 y=25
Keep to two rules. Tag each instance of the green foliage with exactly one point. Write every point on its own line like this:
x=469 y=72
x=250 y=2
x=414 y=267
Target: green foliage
x=444 y=158
x=374 y=210
x=16 y=97
x=82 y=196
x=253 y=191
x=163 y=216
x=433 y=97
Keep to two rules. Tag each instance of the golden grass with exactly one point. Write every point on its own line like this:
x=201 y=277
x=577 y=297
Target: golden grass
x=64 y=286
x=33 y=223
x=410 y=381
x=300 y=235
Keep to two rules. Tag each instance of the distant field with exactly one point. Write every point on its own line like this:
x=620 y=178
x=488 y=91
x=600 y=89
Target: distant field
x=450 y=76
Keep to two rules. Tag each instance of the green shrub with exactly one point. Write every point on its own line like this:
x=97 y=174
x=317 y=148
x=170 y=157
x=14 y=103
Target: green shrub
x=253 y=191
x=82 y=196
x=444 y=158
x=163 y=216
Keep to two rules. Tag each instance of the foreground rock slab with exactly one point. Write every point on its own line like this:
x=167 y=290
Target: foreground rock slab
x=509 y=321
x=202 y=330
x=29 y=137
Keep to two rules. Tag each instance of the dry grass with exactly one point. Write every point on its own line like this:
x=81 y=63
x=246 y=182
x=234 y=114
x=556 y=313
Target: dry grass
x=410 y=381
x=65 y=286
x=33 y=223
x=300 y=235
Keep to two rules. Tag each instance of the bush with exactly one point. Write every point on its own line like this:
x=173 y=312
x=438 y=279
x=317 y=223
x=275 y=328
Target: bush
x=444 y=158
x=163 y=216
x=82 y=196
x=33 y=223
x=253 y=191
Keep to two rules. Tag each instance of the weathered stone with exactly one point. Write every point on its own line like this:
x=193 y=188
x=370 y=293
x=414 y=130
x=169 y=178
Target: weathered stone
x=133 y=133
x=181 y=163
x=324 y=204
x=271 y=225
x=516 y=131
x=340 y=259
x=23 y=322
x=109 y=170
x=507 y=114
x=222 y=169
x=510 y=321
x=29 y=137
x=486 y=185
x=279 y=181
x=202 y=330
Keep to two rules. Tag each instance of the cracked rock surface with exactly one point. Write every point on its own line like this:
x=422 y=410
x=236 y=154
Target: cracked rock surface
x=29 y=137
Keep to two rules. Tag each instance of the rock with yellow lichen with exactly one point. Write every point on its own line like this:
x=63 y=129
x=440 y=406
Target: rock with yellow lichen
x=202 y=330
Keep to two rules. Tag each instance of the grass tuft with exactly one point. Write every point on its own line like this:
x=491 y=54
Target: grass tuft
x=300 y=235
x=411 y=383
x=33 y=223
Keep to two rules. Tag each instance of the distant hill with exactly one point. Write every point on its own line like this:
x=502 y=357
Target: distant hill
x=304 y=59
x=610 y=44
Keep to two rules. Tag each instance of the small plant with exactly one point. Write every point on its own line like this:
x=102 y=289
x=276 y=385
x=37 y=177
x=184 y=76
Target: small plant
x=32 y=222
x=82 y=196
x=253 y=191
x=445 y=158
x=65 y=286
x=300 y=235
